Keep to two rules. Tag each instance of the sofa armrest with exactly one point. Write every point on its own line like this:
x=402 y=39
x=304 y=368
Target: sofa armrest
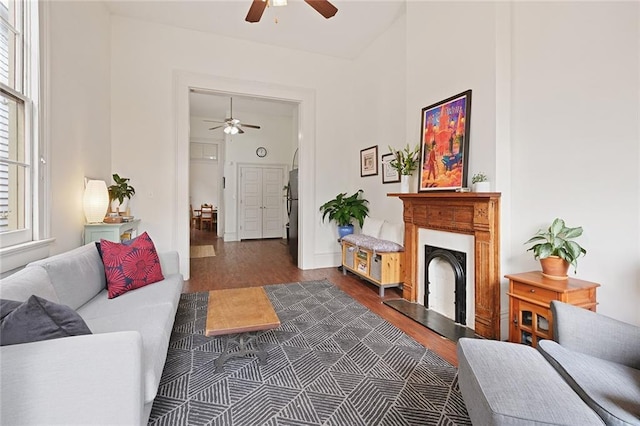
x=596 y=335
x=169 y=262
x=81 y=380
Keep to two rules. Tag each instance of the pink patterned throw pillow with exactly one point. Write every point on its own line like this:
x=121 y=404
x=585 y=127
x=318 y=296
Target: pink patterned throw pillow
x=130 y=266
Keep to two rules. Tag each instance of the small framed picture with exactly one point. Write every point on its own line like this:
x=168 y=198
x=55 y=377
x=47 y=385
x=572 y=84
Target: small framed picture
x=389 y=174
x=369 y=161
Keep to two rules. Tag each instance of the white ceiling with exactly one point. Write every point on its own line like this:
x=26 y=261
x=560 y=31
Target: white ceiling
x=356 y=25
x=299 y=26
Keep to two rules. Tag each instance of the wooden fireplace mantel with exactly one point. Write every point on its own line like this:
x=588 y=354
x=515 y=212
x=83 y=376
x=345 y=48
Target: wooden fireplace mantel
x=472 y=213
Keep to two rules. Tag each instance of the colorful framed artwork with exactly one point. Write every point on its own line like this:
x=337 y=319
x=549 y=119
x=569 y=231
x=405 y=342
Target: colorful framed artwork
x=444 y=148
x=369 y=161
x=389 y=174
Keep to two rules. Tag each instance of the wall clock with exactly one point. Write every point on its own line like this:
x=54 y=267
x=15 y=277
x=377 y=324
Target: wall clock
x=261 y=152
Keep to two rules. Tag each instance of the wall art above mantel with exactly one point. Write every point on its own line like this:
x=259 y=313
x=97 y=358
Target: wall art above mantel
x=444 y=151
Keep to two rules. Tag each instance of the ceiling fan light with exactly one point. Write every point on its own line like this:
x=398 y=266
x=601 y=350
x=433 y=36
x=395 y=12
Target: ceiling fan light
x=278 y=2
x=231 y=130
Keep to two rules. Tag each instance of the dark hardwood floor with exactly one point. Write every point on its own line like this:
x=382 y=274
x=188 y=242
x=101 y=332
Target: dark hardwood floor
x=264 y=262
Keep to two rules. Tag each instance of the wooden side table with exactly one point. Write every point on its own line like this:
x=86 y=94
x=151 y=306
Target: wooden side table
x=530 y=296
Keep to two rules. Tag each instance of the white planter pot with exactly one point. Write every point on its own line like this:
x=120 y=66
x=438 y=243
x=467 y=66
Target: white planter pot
x=482 y=187
x=121 y=208
x=405 y=184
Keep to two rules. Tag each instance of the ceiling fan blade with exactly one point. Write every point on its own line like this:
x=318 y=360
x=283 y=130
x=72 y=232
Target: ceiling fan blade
x=252 y=126
x=323 y=7
x=213 y=121
x=256 y=10
x=213 y=128
x=240 y=130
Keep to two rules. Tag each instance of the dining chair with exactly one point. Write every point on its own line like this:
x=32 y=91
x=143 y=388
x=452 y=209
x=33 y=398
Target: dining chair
x=195 y=217
x=206 y=217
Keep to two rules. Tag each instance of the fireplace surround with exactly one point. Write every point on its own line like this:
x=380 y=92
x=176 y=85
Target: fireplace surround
x=472 y=213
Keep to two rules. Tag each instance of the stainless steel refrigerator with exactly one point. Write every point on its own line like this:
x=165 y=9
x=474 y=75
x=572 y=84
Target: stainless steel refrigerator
x=292 y=211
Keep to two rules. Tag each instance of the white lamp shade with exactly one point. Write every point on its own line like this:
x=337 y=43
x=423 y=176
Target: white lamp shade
x=95 y=201
x=231 y=130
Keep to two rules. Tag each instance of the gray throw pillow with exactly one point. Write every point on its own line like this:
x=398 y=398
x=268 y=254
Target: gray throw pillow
x=38 y=319
x=7 y=306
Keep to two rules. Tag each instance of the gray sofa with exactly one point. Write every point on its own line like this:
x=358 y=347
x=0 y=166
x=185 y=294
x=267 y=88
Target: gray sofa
x=589 y=374
x=109 y=377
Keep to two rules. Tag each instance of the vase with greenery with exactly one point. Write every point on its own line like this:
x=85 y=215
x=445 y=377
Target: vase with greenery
x=555 y=248
x=405 y=162
x=480 y=182
x=344 y=210
x=120 y=193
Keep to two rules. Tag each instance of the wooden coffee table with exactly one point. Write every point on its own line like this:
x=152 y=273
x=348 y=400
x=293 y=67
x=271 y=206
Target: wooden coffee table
x=237 y=315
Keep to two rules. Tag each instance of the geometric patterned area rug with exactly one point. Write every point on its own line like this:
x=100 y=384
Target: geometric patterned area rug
x=201 y=251
x=331 y=362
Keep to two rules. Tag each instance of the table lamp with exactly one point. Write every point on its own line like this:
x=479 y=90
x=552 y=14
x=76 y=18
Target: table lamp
x=95 y=201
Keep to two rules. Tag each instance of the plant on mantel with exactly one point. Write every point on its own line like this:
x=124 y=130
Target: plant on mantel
x=405 y=161
x=479 y=177
x=480 y=182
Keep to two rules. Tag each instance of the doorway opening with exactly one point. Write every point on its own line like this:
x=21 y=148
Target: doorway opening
x=303 y=138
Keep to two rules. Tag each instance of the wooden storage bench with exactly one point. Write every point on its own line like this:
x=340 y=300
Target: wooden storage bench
x=373 y=260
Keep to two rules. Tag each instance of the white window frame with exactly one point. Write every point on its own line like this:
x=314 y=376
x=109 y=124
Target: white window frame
x=17 y=248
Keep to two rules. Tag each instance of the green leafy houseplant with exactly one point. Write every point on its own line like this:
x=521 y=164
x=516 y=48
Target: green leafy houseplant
x=121 y=189
x=405 y=161
x=343 y=210
x=557 y=241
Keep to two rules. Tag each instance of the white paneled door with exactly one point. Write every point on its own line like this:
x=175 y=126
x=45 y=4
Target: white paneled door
x=261 y=202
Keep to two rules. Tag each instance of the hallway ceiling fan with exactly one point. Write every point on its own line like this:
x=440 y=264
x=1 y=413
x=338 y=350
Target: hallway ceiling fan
x=323 y=7
x=232 y=125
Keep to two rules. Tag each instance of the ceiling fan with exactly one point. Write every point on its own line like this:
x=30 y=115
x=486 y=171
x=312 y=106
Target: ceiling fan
x=323 y=7
x=232 y=125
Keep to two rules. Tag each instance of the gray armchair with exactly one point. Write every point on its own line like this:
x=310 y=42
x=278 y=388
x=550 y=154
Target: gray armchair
x=599 y=357
x=596 y=335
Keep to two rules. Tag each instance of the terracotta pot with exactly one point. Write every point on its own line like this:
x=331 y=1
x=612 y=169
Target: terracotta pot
x=554 y=268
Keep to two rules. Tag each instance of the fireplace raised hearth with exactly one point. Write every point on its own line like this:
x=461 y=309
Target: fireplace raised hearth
x=472 y=213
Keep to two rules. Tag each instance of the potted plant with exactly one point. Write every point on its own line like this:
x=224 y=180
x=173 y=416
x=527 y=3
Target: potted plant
x=556 y=250
x=480 y=183
x=343 y=210
x=120 y=193
x=405 y=162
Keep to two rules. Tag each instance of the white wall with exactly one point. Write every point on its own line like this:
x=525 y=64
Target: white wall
x=378 y=118
x=554 y=122
x=204 y=183
x=451 y=48
x=144 y=59
x=79 y=142
x=575 y=139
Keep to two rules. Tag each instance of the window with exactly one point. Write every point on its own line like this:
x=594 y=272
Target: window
x=19 y=144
